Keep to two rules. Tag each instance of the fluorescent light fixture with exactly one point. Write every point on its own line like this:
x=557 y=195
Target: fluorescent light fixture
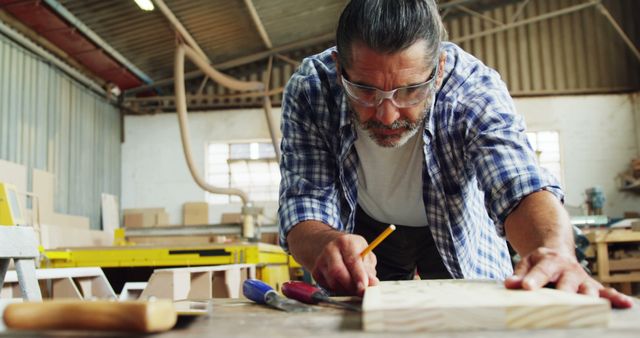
x=145 y=5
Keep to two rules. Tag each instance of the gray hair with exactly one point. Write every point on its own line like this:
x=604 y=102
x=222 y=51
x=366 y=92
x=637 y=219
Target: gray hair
x=389 y=26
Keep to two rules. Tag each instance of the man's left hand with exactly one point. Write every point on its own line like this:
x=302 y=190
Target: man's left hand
x=544 y=265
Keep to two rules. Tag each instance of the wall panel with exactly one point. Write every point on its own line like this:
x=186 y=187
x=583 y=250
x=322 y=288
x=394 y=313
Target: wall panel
x=49 y=121
x=579 y=52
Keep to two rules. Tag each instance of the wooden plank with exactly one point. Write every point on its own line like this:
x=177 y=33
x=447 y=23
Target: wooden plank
x=100 y=238
x=43 y=186
x=77 y=222
x=59 y=236
x=132 y=291
x=602 y=260
x=614 y=236
x=65 y=288
x=110 y=213
x=168 y=285
x=624 y=264
x=91 y=282
x=202 y=282
x=622 y=278
x=44 y=274
x=201 y=285
x=442 y=305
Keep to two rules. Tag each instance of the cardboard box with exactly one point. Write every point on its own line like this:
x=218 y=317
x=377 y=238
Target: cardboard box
x=142 y=218
x=231 y=218
x=133 y=220
x=162 y=219
x=195 y=213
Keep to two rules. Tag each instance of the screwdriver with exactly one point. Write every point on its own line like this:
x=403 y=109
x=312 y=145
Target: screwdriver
x=261 y=293
x=310 y=294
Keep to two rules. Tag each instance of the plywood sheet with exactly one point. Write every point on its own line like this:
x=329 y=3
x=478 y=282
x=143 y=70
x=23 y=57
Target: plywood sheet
x=15 y=174
x=110 y=213
x=43 y=186
x=62 y=236
x=440 y=305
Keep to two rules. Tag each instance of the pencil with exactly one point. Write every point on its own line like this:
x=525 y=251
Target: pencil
x=378 y=239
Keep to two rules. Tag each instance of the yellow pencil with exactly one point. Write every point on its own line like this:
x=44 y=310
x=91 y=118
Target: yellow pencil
x=378 y=239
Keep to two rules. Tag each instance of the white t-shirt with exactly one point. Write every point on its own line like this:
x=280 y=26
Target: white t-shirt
x=390 y=180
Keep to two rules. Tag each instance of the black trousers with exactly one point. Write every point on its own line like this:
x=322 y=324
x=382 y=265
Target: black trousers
x=405 y=250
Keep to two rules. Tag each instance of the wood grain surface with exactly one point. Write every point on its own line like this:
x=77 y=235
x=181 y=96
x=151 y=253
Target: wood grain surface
x=449 y=305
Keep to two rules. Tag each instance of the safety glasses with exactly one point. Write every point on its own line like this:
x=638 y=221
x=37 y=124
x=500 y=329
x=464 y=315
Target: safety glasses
x=402 y=97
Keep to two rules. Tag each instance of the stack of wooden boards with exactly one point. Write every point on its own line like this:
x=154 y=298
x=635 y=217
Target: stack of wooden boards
x=443 y=305
x=145 y=218
x=54 y=229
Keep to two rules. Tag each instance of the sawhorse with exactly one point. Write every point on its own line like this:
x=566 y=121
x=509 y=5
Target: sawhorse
x=19 y=243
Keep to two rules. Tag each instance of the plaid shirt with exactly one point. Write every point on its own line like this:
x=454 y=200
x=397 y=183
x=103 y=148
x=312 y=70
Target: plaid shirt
x=478 y=162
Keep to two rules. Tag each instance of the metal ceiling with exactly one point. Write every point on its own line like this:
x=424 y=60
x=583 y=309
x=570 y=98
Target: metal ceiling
x=224 y=29
x=139 y=45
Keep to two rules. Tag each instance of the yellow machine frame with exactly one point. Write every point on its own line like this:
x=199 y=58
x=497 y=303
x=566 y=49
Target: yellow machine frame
x=271 y=261
x=10 y=211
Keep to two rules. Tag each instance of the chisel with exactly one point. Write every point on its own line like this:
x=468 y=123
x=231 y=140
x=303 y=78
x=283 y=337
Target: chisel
x=310 y=294
x=261 y=293
x=130 y=316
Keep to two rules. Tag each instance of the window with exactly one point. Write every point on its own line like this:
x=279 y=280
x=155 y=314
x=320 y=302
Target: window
x=251 y=167
x=546 y=144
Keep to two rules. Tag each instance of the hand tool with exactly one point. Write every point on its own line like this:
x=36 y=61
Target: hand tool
x=261 y=293
x=132 y=316
x=310 y=294
x=378 y=239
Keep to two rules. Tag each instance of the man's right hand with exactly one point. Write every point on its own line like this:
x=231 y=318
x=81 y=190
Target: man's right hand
x=333 y=257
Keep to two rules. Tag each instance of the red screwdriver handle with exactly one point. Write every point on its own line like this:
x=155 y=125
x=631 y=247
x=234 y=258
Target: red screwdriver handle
x=300 y=291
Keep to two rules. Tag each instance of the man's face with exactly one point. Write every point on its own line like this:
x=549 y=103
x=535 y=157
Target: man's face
x=386 y=124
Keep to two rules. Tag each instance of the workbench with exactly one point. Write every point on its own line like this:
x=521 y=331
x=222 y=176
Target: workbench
x=241 y=318
x=609 y=269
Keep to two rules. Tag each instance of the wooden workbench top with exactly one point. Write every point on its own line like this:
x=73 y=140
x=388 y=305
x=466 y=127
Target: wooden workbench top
x=241 y=318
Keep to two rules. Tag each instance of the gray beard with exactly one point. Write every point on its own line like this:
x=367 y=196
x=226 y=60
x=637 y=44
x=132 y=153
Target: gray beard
x=387 y=141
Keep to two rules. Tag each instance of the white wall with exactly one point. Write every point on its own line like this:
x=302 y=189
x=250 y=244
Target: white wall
x=154 y=171
x=599 y=136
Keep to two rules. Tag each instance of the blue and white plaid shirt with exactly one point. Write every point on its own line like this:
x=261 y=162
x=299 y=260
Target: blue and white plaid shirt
x=478 y=162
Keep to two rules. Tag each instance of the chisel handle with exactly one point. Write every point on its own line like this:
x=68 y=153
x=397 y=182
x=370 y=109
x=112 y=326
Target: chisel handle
x=256 y=290
x=133 y=316
x=303 y=292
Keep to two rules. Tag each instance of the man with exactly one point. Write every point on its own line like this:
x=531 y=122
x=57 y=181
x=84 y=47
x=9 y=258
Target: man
x=396 y=126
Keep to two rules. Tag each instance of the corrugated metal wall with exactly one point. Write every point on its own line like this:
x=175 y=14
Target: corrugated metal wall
x=576 y=53
x=49 y=121
x=573 y=53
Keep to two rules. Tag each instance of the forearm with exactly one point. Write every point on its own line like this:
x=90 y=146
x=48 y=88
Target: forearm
x=539 y=221
x=307 y=239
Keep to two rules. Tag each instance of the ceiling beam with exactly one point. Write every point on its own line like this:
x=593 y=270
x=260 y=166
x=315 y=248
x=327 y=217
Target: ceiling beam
x=256 y=20
x=529 y=21
x=616 y=26
x=288 y=60
x=454 y=3
x=519 y=11
x=480 y=15
x=179 y=28
x=243 y=60
x=91 y=35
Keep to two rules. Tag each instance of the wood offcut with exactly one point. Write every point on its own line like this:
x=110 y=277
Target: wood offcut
x=449 y=305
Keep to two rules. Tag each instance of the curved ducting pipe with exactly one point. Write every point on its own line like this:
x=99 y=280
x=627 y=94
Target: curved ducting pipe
x=267 y=112
x=181 y=106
